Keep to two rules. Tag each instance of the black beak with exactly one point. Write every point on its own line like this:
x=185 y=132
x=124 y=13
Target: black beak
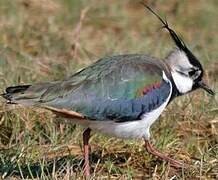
x=206 y=88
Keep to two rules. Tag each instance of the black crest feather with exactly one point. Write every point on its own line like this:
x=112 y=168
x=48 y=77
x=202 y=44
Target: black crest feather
x=178 y=41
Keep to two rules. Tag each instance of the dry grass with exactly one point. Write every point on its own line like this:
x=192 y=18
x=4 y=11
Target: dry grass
x=47 y=40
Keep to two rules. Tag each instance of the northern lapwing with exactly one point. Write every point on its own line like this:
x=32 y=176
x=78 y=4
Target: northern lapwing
x=121 y=95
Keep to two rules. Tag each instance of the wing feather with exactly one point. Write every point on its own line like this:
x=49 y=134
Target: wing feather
x=98 y=91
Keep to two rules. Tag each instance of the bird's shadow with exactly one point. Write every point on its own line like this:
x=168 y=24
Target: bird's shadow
x=10 y=168
x=37 y=169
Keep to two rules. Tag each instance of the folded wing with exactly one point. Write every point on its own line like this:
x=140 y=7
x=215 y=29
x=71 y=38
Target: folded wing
x=114 y=88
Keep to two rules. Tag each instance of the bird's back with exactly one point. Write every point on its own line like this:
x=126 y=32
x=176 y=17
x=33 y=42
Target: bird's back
x=118 y=88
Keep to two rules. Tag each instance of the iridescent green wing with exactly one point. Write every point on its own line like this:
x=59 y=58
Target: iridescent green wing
x=110 y=81
x=123 y=77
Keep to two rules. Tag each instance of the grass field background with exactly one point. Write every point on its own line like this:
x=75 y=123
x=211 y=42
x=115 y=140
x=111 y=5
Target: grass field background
x=45 y=40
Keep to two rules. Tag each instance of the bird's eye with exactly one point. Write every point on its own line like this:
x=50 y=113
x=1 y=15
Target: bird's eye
x=192 y=72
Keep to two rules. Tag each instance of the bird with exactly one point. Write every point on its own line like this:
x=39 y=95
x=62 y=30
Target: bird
x=119 y=95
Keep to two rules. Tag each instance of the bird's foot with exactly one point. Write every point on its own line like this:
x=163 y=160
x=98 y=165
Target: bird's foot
x=151 y=149
x=86 y=170
x=86 y=136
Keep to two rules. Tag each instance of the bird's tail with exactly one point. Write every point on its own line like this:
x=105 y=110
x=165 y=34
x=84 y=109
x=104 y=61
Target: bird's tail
x=38 y=95
x=27 y=95
x=13 y=93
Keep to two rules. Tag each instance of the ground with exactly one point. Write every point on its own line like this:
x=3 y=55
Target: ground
x=45 y=40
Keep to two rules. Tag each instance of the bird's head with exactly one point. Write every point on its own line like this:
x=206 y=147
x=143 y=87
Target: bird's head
x=187 y=71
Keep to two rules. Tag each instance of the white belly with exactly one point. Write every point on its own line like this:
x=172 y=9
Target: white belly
x=131 y=129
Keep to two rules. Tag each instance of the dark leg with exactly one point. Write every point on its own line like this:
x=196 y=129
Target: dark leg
x=151 y=149
x=86 y=136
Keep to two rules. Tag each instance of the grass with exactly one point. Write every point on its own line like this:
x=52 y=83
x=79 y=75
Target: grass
x=48 y=40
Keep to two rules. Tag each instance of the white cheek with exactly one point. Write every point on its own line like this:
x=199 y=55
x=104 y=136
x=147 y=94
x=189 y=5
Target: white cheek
x=184 y=84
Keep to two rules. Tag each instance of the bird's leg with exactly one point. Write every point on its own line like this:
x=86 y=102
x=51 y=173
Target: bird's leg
x=86 y=136
x=151 y=149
